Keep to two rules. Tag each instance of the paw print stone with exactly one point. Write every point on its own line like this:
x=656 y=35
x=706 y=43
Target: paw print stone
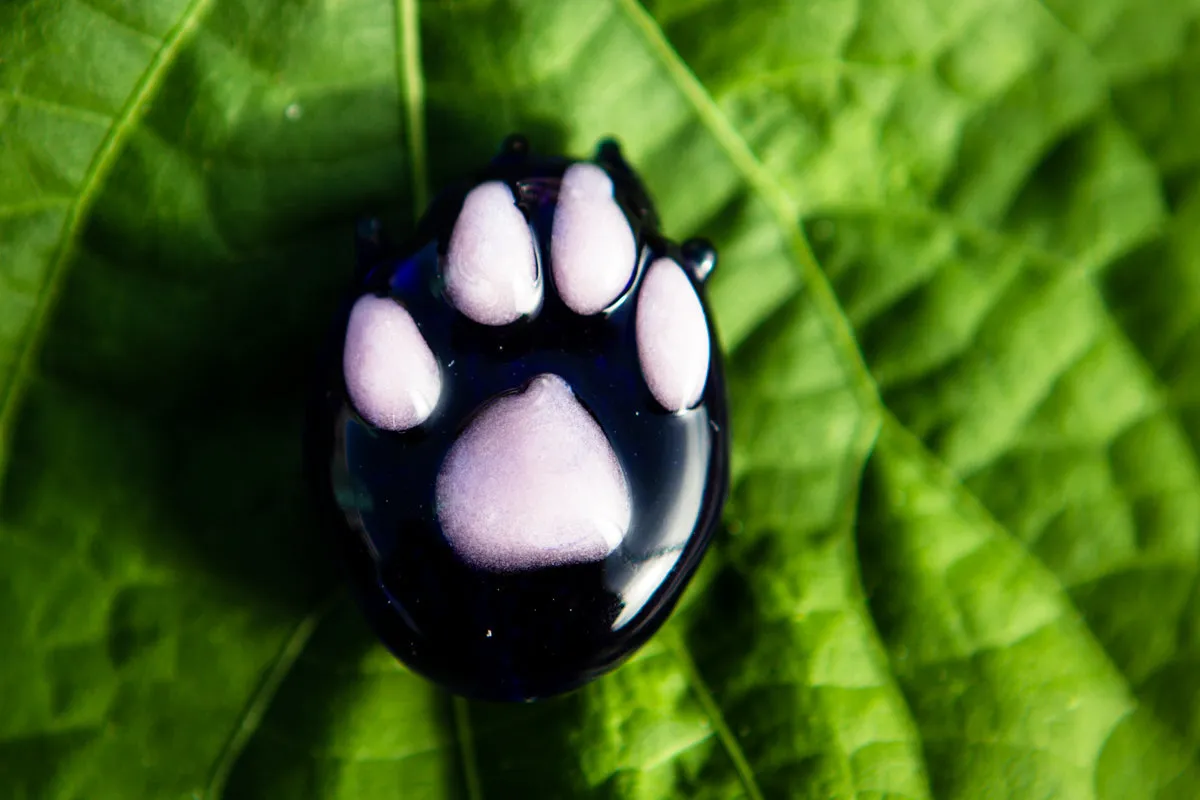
x=519 y=439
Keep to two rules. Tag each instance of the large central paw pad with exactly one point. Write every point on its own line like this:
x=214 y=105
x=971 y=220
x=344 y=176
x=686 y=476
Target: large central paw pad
x=525 y=443
x=533 y=482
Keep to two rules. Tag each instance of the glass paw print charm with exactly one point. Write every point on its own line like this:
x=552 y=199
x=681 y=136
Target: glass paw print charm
x=520 y=436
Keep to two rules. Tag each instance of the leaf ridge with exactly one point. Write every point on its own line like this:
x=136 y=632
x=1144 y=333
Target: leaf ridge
x=317 y=754
x=55 y=107
x=711 y=710
x=836 y=321
x=254 y=712
x=34 y=206
x=93 y=181
x=1048 y=261
x=466 y=746
x=412 y=81
x=966 y=501
x=108 y=14
x=774 y=195
x=782 y=206
x=1052 y=264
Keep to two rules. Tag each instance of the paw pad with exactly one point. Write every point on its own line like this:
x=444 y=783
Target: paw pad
x=490 y=270
x=533 y=482
x=522 y=438
x=591 y=246
x=391 y=374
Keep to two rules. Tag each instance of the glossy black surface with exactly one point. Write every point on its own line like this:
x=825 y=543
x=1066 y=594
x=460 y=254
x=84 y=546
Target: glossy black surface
x=517 y=635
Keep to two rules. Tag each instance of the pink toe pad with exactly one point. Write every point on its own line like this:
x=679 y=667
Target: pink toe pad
x=391 y=374
x=672 y=336
x=490 y=269
x=591 y=246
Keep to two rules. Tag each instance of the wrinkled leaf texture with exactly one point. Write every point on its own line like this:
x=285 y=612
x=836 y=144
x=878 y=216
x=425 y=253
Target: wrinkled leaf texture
x=960 y=290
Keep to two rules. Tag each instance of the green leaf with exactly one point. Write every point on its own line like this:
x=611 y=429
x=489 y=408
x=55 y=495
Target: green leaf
x=959 y=288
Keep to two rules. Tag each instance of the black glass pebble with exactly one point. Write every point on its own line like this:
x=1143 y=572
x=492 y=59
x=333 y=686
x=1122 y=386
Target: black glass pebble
x=518 y=635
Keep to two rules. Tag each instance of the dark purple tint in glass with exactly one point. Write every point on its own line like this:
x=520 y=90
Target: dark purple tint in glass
x=523 y=634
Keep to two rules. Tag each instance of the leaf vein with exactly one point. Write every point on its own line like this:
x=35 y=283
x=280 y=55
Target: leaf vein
x=252 y=716
x=716 y=718
x=108 y=14
x=466 y=746
x=1049 y=263
x=772 y=193
x=32 y=207
x=54 y=107
x=93 y=181
x=412 y=79
x=970 y=504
